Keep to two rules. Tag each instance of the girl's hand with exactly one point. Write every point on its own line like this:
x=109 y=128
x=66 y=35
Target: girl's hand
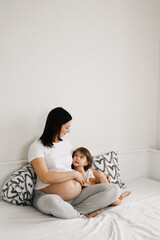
x=108 y=177
x=79 y=169
x=82 y=171
x=79 y=178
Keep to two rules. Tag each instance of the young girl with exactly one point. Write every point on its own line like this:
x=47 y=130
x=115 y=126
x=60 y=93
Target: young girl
x=82 y=162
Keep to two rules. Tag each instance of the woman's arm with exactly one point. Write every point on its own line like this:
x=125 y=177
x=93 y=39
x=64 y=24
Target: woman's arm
x=48 y=177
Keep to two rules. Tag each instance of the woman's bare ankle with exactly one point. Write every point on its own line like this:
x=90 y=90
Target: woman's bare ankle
x=116 y=203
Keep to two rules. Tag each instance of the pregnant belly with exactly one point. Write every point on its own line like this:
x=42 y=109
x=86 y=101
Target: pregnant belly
x=66 y=190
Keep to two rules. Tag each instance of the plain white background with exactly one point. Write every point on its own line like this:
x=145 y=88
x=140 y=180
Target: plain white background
x=99 y=59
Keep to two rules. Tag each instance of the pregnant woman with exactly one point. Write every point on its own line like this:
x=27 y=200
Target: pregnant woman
x=58 y=190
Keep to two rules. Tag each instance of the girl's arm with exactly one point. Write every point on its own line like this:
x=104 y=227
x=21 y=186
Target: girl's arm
x=82 y=171
x=48 y=177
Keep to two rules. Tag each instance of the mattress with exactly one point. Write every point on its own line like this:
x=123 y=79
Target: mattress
x=136 y=218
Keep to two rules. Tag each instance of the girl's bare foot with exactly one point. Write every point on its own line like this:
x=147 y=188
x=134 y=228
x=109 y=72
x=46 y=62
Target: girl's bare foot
x=125 y=194
x=93 y=214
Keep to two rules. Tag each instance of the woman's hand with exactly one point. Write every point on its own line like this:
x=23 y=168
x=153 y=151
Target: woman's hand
x=79 y=178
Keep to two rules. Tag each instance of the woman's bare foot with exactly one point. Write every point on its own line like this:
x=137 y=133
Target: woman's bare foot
x=93 y=214
x=125 y=194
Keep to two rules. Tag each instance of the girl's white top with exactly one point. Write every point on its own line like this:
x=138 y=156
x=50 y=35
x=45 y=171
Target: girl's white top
x=58 y=158
x=89 y=174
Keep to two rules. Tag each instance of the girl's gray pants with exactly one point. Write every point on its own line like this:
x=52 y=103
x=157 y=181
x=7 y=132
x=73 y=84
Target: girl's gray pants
x=90 y=199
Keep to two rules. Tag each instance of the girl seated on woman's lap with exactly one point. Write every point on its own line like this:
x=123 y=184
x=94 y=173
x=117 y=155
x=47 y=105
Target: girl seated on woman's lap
x=82 y=162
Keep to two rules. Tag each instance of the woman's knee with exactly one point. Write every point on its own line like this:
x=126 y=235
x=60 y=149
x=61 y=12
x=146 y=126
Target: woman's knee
x=113 y=189
x=57 y=207
x=116 y=191
x=47 y=202
x=52 y=201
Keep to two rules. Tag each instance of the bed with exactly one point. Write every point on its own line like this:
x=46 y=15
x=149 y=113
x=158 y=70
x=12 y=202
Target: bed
x=136 y=218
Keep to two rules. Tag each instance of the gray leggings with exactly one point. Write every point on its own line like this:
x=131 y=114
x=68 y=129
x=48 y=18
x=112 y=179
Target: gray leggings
x=90 y=199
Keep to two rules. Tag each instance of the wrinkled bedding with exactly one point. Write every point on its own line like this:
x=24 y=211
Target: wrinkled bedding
x=136 y=218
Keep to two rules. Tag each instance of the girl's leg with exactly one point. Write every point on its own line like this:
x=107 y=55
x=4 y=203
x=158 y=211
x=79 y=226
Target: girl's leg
x=96 y=197
x=101 y=178
x=54 y=205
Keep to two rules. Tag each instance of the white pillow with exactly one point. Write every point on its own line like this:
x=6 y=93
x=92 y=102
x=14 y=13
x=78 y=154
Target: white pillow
x=108 y=163
x=19 y=188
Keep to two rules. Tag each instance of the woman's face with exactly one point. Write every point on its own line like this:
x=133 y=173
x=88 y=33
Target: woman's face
x=65 y=129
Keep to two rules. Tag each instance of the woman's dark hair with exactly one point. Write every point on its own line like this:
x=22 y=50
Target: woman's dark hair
x=87 y=154
x=56 y=118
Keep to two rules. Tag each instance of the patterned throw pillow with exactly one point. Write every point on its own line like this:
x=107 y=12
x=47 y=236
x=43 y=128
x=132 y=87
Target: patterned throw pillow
x=108 y=163
x=19 y=188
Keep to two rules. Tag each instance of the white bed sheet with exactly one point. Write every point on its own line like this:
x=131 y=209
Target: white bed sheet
x=137 y=218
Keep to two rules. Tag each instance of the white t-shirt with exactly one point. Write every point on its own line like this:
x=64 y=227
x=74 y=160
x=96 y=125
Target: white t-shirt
x=58 y=158
x=89 y=174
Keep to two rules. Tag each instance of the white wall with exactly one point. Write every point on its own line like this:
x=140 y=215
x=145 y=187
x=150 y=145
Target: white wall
x=154 y=164
x=99 y=59
x=158 y=112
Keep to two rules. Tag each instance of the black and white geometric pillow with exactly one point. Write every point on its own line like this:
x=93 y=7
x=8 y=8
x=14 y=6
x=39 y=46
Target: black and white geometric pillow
x=19 y=188
x=108 y=163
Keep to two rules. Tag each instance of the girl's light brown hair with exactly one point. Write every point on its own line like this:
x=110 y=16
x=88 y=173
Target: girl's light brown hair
x=87 y=154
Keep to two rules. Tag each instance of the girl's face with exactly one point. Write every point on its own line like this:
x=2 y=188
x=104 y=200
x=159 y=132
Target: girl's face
x=79 y=160
x=65 y=129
